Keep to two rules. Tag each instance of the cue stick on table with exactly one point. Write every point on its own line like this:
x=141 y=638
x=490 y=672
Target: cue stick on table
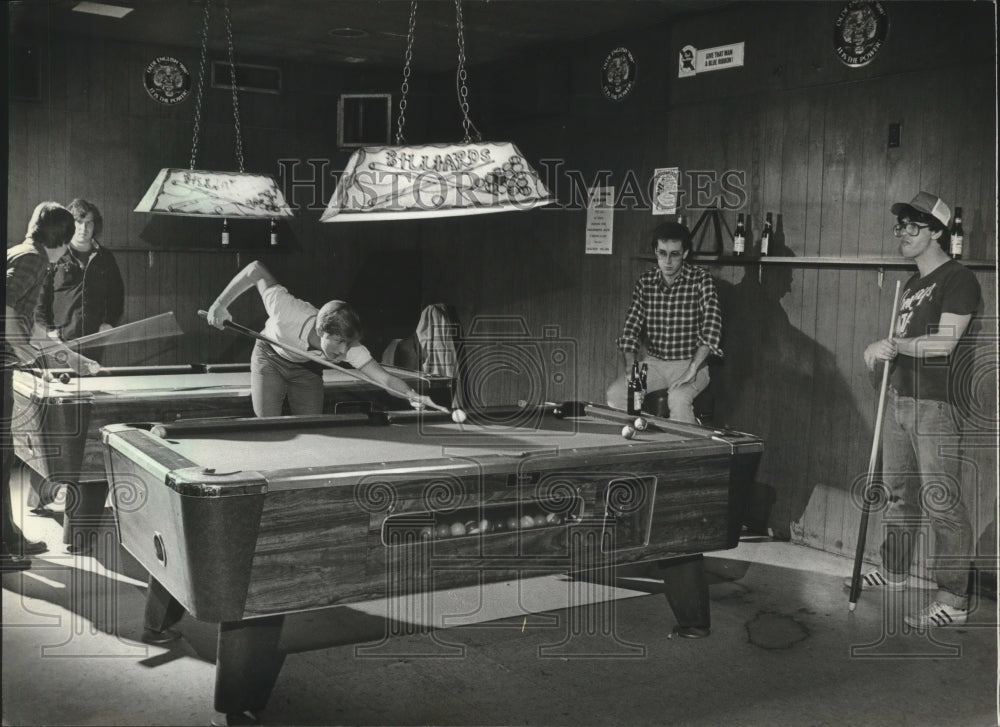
x=315 y=358
x=876 y=437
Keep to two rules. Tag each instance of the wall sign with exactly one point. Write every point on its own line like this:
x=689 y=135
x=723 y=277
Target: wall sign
x=692 y=61
x=665 y=190
x=600 y=221
x=618 y=74
x=860 y=32
x=167 y=80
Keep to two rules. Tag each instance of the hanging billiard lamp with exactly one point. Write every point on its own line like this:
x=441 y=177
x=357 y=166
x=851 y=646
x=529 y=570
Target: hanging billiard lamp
x=201 y=193
x=404 y=182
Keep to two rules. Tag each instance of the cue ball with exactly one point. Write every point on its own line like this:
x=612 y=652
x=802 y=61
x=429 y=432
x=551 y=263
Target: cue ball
x=628 y=431
x=458 y=416
x=640 y=424
x=64 y=378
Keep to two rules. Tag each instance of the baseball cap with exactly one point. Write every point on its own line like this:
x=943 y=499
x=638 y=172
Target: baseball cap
x=927 y=203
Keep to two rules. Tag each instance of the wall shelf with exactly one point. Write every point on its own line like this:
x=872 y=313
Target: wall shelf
x=840 y=262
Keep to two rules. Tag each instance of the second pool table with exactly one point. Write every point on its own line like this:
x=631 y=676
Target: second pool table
x=57 y=425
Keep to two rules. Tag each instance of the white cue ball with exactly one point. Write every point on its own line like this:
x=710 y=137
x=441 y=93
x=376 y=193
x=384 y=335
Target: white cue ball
x=628 y=431
x=458 y=416
x=640 y=424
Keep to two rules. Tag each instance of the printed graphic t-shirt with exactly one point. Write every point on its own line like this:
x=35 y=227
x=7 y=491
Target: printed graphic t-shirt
x=950 y=288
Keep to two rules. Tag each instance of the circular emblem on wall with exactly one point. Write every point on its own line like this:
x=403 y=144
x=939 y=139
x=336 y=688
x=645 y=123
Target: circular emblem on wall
x=859 y=32
x=167 y=80
x=618 y=74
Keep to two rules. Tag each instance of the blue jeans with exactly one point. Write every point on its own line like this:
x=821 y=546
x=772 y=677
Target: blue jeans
x=922 y=472
x=273 y=378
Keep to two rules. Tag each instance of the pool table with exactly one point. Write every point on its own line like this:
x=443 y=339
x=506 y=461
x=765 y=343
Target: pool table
x=240 y=522
x=57 y=425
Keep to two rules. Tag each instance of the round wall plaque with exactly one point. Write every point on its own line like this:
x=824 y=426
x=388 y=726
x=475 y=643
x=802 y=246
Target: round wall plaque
x=860 y=32
x=618 y=74
x=167 y=80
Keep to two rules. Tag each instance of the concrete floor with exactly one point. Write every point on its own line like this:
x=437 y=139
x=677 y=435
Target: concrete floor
x=784 y=650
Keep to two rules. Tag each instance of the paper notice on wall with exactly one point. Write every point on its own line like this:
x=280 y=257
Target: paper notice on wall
x=665 y=190
x=600 y=220
x=692 y=61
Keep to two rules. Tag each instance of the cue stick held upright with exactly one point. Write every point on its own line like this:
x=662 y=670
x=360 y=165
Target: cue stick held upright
x=313 y=357
x=866 y=496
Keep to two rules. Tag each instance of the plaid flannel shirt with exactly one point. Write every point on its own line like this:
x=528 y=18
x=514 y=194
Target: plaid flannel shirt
x=673 y=321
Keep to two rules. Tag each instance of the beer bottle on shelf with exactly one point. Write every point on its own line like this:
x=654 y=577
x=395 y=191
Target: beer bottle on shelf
x=225 y=233
x=274 y=233
x=740 y=237
x=957 y=235
x=765 y=236
x=633 y=389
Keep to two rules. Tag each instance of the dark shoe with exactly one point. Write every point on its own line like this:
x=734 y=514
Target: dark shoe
x=158 y=638
x=33 y=547
x=10 y=562
x=41 y=511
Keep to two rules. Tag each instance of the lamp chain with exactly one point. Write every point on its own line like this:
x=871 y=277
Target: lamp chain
x=201 y=83
x=405 y=87
x=236 y=103
x=461 y=77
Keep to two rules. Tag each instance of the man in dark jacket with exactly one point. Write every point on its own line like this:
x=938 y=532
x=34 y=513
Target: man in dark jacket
x=83 y=292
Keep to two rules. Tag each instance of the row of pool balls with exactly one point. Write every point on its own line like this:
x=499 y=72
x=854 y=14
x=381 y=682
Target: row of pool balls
x=629 y=430
x=486 y=526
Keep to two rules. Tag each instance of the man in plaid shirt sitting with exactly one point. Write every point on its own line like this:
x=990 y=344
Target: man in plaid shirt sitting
x=675 y=312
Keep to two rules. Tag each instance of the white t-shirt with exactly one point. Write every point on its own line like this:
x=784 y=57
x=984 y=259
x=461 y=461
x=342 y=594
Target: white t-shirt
x=290 y=320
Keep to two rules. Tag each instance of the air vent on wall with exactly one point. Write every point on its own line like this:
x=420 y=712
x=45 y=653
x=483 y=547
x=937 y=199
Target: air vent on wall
x=363 y=119
x=249 y=77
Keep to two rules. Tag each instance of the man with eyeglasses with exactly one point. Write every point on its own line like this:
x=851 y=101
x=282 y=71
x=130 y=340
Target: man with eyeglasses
x=920 y=437
x=675 y=312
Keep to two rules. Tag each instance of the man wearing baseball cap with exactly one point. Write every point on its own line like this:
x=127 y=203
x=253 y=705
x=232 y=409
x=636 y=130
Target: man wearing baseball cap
x=920 y=434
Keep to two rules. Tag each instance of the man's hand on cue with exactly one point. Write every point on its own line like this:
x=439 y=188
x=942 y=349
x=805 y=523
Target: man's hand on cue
x=421 y=401
x=217 y=315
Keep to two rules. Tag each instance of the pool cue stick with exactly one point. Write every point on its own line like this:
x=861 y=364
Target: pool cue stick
x=876 y=439
x=317 y=359
x=158 y=326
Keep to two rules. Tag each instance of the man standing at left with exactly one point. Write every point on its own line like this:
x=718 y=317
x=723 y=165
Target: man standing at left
x=49 y=233
x=83 y=292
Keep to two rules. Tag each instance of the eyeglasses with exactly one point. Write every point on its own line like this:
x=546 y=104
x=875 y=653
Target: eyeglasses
x=911 y=229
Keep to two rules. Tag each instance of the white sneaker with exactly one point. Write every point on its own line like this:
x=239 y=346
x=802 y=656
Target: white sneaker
x=938 y=614
x=873 y=580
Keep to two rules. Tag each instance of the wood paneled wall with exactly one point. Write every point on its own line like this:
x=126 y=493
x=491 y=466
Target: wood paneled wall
x=808 y=135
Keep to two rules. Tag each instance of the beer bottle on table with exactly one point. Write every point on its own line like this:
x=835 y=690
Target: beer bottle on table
x=957 y=235
x=740 y=237
x=633 y=388
x=765 y=236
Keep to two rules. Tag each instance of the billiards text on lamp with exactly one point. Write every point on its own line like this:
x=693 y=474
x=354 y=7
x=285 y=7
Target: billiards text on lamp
x=404 y=182
x=202 y=193
x=435 y=180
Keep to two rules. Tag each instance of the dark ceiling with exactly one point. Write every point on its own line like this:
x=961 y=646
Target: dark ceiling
x=305 y=30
